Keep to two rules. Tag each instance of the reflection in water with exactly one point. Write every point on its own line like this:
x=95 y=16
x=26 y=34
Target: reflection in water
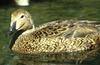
x=80 y=58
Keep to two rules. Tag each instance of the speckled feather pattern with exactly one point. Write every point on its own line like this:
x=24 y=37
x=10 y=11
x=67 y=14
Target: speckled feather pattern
x=53 y=38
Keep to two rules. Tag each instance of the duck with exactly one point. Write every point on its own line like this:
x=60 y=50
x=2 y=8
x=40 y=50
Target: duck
x=52 y=37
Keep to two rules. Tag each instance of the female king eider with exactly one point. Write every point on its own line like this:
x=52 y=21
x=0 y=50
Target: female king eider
x=53 y=37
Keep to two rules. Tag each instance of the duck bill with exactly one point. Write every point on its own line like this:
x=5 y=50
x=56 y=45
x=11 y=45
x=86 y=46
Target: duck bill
x=12 y=29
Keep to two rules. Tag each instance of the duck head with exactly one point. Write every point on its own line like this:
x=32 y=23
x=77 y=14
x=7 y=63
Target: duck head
x=20 y=20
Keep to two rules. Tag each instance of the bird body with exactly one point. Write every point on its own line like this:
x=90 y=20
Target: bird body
x=53 y=45
x=53 y=37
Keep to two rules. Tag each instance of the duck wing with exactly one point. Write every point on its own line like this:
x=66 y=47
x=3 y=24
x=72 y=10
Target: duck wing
x=61 y=37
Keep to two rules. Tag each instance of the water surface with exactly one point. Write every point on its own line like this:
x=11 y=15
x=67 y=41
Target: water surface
x=45 y=11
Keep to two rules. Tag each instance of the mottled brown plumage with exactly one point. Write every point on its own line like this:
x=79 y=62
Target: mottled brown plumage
x=53 y=37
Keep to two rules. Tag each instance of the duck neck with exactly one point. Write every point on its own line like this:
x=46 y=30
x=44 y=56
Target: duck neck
x=33 y=27
x=17 y=34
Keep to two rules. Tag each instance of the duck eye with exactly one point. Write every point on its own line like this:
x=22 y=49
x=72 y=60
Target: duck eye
x=22 y=16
